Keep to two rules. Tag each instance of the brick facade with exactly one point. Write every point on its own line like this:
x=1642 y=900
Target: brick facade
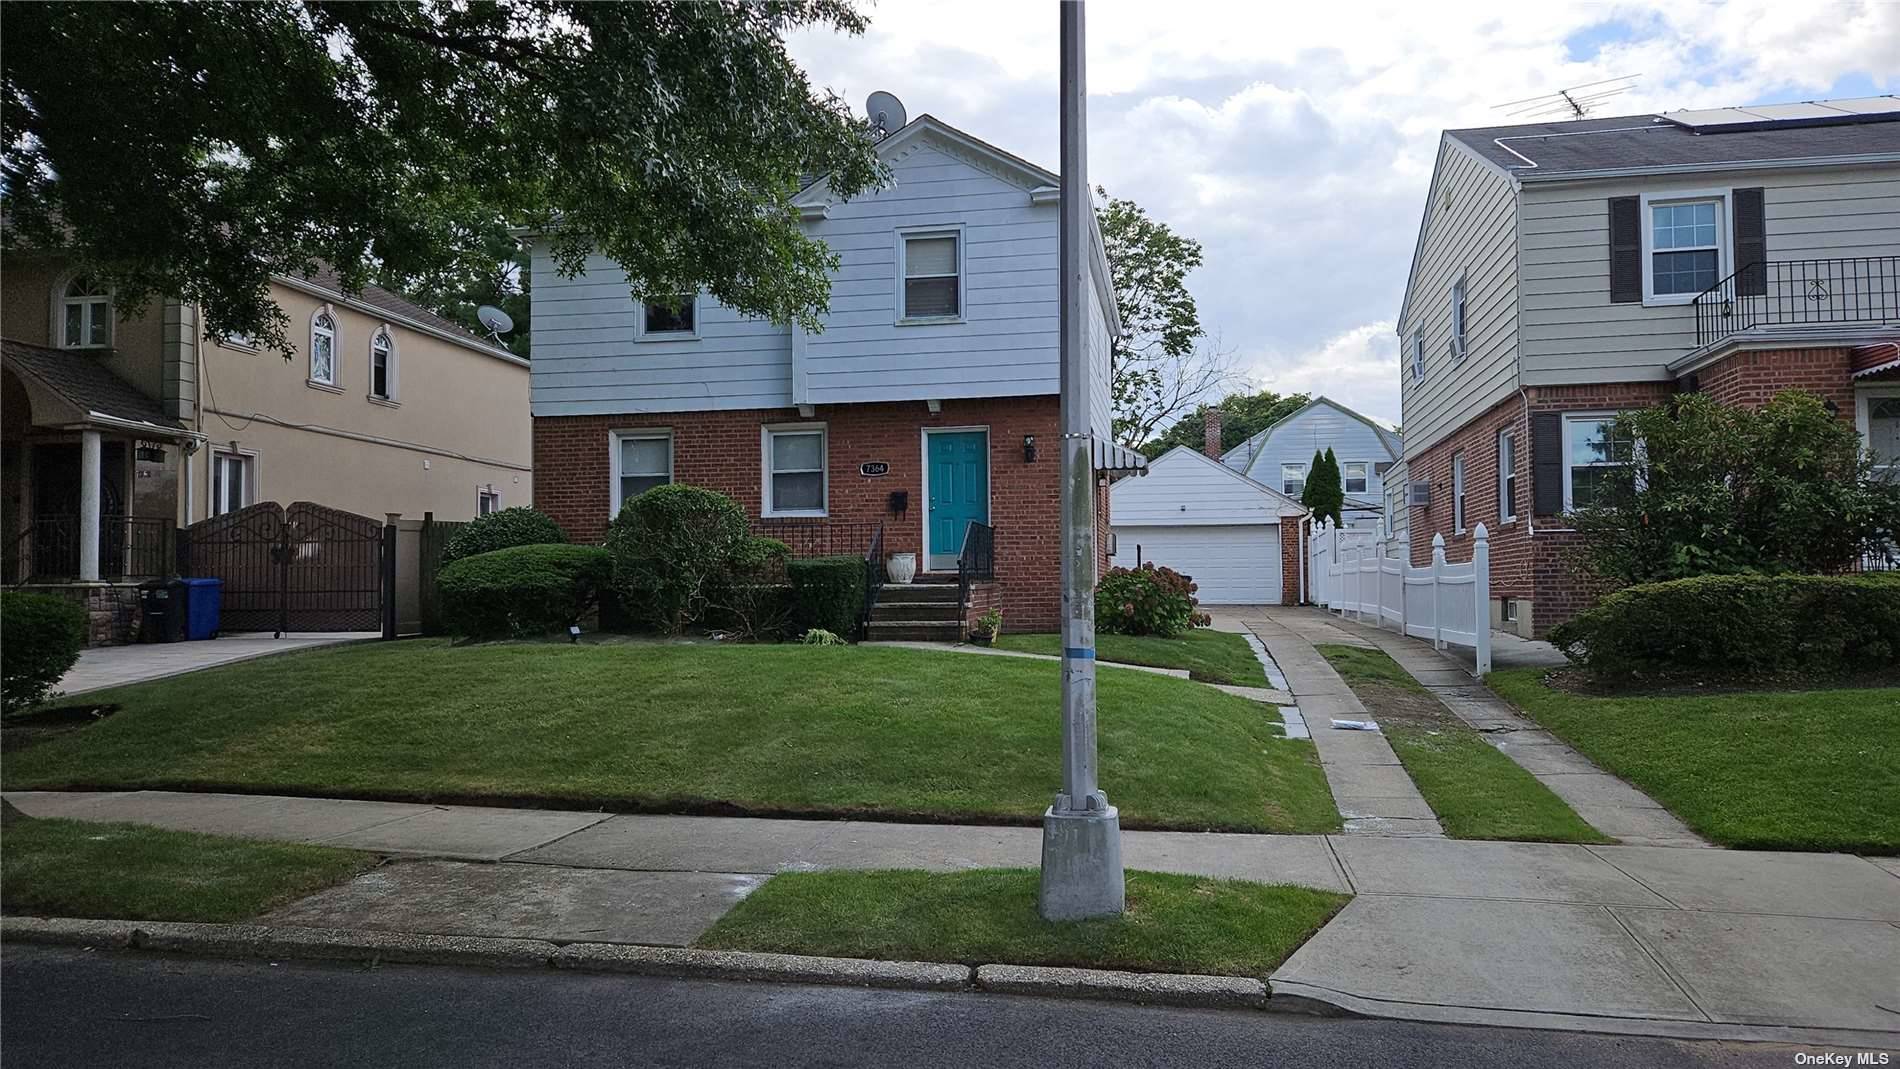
x=1752 y=378
x=1292 y=560
x=723 y=451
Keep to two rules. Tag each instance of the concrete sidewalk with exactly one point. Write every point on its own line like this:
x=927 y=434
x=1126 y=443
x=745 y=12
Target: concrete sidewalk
x=116 y=666
x=1650 y=940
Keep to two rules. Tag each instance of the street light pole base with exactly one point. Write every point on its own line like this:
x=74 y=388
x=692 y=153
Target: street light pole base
x=1081 y=864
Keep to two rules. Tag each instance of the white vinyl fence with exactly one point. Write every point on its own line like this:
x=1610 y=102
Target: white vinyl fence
x=1371 y=579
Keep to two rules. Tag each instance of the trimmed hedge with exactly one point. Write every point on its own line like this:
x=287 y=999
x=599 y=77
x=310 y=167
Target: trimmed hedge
x=522 y=591
x=827 y=593
x=518 y=526
x=43 y=634
x=1739 y=626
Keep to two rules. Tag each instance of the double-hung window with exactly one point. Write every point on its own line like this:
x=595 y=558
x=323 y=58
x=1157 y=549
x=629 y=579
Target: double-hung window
x=382 y=366
x=1592 y=449
x=1507 y=477
x=1458 y=320
x=1293 y=480
x=323 y=348
x=1418 y=355
x=932 y=266
x=642 y=460
x=675 y=320
x=1458 y=493
x=795 y=470
x=1685 y=246
x=233 y=481
x=85 y=315
x=1353 y=476
x=487 y=500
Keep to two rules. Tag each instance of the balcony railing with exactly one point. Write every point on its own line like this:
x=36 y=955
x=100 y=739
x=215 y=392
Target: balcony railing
x=130 y=547
x=821 y=537
x=1800 y=293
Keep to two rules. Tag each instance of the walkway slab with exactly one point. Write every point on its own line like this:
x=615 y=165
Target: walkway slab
x=1539 y=957
x=1891 y=864
x=1549 y=872
x=691 y=844
x=117 y=666
x=863 y=844
x=525 y=901
x=1801 y=885
x=60 y=804
x=1778 y=970
x=251 y=816
x=1265 y=695
x=1302 y=860
x=475 y=832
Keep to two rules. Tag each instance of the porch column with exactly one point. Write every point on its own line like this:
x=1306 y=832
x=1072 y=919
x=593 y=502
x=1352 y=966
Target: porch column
x=89 y=475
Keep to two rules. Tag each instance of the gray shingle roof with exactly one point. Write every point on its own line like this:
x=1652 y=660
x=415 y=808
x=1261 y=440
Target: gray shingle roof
x=85 y=383
x=1645 y=141
x=328 y=279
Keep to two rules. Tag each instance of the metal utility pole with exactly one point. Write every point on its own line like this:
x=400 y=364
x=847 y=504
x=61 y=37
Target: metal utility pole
x=1081 y=832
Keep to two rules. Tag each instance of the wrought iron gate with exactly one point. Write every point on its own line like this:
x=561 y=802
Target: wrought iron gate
x=303 y=568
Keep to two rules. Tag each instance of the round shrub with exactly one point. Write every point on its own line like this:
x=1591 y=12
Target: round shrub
x=519 y=526
x=522 y=591
x=1146 y=601
x=672 y=546
x=44 y=634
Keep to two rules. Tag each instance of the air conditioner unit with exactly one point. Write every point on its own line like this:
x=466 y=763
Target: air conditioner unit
x=1421 y=493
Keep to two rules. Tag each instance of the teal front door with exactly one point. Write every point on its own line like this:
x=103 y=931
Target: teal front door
x=959 y=466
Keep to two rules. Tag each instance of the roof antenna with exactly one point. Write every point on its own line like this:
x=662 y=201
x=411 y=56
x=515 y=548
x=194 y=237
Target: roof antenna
x=1574 y=102
x=497 y=321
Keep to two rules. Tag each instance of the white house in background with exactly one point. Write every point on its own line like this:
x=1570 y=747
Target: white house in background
x=1281 y=456
x=1237 y=538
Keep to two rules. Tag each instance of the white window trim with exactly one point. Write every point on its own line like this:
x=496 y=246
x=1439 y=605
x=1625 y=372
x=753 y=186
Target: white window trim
x=1458 y=315
x=1862 y=417
x=904 y=234
x=1285 y=464
x=253 y=477
x=1505 y=471
x=1343 y=465
x=394 y=396
x=766 y=432
x=57 y=326
x=1571 y=419
x=1458 y=493
x=1652 y=299
x=989 y=482
x=336 y=346
x=1418 y=354
x=614 y=438
x=641 y=334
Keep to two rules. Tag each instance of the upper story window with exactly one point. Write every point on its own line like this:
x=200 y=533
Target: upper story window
x=1685 y=246
x=1418 y=355
x=382 y=366
x=323 y=347
x=1292 y=479
x=932 y=266
x=671 y=321
x=85 y=315
x=795 y=470
x=1592 y=449
x=1507 y=476
x=1352 y=476
x=1458 y=320
x=642 y=460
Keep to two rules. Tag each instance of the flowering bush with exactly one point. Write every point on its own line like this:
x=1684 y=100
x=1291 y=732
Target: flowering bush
x=1146 y=601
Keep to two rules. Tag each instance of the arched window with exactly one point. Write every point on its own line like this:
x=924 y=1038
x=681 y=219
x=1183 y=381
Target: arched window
x=382 y=365
x=85 y=315
x=323 y=348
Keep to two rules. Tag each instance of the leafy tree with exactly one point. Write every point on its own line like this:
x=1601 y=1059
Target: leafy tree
x=195 y=150
x=1243 y=415
x=1322 y=494
x=1712 y=489
x=1162 y=363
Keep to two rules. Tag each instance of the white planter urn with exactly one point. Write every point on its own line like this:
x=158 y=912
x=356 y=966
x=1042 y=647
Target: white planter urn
x=901 y=568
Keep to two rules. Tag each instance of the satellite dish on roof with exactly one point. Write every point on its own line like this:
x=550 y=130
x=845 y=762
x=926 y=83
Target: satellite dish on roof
x=497 y=321
x=886 y=112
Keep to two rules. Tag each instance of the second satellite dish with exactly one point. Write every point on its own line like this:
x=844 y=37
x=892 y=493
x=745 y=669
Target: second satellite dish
x=497 y=321
x=886 y=112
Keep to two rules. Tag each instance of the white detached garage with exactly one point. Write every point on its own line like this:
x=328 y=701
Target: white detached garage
x=1205 y=520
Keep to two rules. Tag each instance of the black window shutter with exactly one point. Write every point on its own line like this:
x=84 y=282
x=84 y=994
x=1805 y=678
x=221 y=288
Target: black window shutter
x=1626 y=250
x=1547 y=463
x=1751 y=243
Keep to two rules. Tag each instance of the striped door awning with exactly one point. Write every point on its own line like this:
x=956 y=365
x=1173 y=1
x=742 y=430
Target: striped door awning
x=1875 y=358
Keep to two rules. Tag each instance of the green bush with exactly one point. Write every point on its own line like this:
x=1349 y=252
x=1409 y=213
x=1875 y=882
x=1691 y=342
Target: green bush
x=1739 y=626
x=827 y=593
x=1146 y=601
x=43 y=634
x=672 y=548
x=522 y=591
x=520 y=526
x=751 y=598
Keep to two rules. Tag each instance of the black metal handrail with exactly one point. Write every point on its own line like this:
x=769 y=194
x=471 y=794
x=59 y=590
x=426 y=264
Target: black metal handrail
x=873 y=579
x=1799 y=293
x=977 y=562
x=130 y=547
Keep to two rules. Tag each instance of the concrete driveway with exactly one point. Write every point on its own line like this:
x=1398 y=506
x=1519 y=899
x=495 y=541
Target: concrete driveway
x=116 y=666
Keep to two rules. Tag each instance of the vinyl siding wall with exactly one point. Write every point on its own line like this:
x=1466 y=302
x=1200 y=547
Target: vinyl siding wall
x=1475 y=235
x=1294 y=439
x=1571 y=331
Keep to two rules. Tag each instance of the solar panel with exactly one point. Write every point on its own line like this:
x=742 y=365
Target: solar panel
x=1771 y=116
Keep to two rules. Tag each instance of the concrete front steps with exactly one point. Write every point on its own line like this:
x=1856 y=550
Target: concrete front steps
x=924 y=610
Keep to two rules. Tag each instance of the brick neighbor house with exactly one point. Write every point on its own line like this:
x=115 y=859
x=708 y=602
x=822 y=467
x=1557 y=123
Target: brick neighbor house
x=923 y=413
x=1566 y=271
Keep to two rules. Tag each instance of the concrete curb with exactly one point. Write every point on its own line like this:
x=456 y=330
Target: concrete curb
x=742 y=965
x=1218 y=992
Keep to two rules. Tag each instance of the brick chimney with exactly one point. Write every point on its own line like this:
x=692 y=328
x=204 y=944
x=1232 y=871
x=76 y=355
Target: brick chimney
x=1211 y=443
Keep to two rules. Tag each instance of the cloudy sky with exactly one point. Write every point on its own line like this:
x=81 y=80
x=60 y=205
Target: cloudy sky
x=1295 y=141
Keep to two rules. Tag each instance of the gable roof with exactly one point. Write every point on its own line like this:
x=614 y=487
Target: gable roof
x=1250 y=449
x=79 y=379
x=1286 y=502
x=375 y=300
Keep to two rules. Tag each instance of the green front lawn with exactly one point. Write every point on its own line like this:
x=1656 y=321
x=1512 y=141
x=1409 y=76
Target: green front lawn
x=1209 y=656
x=1770 y=770
x=882 y=732
x=1476 y=791
x=71 y=868
x=1190 y=924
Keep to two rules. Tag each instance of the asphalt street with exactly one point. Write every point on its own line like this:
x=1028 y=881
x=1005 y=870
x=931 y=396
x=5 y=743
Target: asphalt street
x=64 y=1007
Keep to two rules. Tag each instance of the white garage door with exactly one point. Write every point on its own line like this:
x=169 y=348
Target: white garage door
x=1237 y=565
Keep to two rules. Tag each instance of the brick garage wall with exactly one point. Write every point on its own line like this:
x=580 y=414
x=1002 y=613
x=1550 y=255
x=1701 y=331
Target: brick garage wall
x=722 y=451
x=1752 y=379
x=1291 y=560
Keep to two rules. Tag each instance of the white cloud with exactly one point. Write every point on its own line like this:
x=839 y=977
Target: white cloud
x=1296 y=141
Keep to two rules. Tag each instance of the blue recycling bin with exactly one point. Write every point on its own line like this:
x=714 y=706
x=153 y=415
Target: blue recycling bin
x=204 y=600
